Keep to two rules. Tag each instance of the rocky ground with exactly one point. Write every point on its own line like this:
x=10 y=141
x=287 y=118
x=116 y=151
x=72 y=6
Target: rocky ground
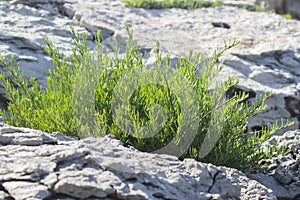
x=35 y=165
x=267 y=59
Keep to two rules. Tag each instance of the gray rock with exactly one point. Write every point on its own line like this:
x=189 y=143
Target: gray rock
x=26 y=190
x=3 y=99
x=1 y=121
x=282 y=174
x=4 y=195
x=103 y=168
x=282 y=6
x=293 y=7
x=35 y=21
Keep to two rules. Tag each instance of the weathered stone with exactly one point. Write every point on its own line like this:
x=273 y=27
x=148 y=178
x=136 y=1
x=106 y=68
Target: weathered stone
x=36 y=23
x=104 y=169
x=282 y=6
x=26 y=136
x=26 y=190
x=1 y=121
x=293 y=7
x=4 y=195
x=283 y=172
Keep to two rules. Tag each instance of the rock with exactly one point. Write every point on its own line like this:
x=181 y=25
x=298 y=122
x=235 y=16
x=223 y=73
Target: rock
x=1 y=121
x=35 y=20
x=34 y=2
x=293 y=7
x=26 y=190
x=282 y=6
x=282 y=174
x=103 y=168
x=3 y=99
x=278 y=5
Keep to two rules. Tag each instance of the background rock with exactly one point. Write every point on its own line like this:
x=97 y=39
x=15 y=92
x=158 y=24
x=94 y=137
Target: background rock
x=35 y=165
x=25 y=24
x=282 y=6
x=282 y=174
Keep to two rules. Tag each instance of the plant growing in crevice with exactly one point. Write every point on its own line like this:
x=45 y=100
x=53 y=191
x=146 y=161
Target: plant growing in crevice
x=132 y=102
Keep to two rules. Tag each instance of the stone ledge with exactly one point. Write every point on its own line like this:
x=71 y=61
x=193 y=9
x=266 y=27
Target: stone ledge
x=103 y=168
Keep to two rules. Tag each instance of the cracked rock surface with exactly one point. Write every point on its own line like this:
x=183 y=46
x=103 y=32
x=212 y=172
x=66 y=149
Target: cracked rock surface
x=24 y=25
x=36 y=165
x=283 y=172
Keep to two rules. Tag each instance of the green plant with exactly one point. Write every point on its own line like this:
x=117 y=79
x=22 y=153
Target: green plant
x=30 y=105
x=287 y=16
x=185 y=4
x=65 y=105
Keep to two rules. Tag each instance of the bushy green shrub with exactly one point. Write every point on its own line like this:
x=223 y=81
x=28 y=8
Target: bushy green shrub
x=84 y=98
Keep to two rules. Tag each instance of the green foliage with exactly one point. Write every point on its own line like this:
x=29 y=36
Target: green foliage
x=30 y=105
x=287 y=16
x=65 y=105
x=159 y=4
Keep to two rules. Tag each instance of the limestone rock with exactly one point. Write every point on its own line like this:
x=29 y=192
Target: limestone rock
x=277 y=5
x=282 y=6
x=1 y=121
x=103 y=168
x=35 y=20
x=283 y=172
x=293 y=7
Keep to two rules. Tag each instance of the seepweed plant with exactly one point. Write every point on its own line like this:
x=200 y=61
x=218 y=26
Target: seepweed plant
x=220 y=121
